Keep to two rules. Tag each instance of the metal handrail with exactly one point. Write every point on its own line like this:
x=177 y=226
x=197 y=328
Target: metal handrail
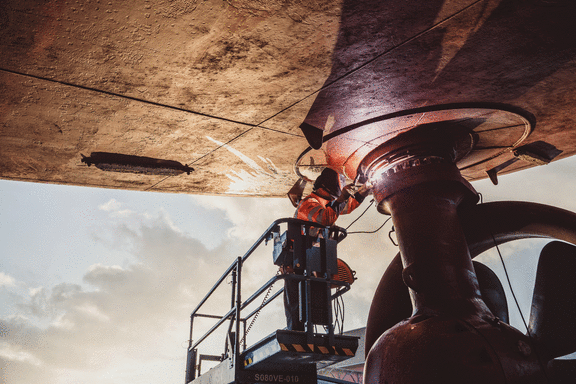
x=224 y=276
x=237 y=305
x=264 y=304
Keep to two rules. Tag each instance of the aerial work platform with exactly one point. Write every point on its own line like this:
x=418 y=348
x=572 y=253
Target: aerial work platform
x=284 y=356
x=288 y=347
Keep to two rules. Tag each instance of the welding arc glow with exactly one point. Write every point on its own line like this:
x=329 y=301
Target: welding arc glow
x=378 y=175
x=382 y=168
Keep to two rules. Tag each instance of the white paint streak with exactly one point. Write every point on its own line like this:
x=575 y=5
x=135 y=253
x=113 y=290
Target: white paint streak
x=269 y=164
x=251 y=163
x=255 y=181
x=244 y=182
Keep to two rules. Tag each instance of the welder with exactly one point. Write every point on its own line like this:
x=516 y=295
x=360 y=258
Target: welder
x=328 y=200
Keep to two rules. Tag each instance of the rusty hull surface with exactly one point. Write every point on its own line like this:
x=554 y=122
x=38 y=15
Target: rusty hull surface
x=223 y=86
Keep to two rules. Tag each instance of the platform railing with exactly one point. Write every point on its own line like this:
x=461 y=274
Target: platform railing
x=237 y=305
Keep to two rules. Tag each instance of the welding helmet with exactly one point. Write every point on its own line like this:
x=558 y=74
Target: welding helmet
x=329 y=179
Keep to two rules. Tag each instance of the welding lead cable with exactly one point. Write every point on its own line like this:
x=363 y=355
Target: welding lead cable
x=362 y=214
x=374 y=231
x=542 y=367
x=510 y=286
x=390 y=236
x=339 y=313
x=259 y=309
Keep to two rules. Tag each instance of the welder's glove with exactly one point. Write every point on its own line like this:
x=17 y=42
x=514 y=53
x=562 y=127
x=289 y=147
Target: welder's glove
x=345 y=194
x=365 y=189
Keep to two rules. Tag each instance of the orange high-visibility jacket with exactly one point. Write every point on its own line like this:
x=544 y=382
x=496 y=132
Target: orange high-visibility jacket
x=317 y=209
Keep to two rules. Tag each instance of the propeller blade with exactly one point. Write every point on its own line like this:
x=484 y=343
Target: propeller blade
x=492 y=291
x=562 y=371
x=391 y=304
x=553 y=312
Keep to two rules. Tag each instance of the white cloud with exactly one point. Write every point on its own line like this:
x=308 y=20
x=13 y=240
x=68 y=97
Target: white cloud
x=36 y=303
x=99 y=272
x=62 y=322
x=111 y=205
x=12 y=353
x=166 y=219
x=122 y=213
x=6 y=280
x=17 y=318
x=138 y=313
x=93 y=311
x=250 y=216
x=115 y=209
x=134 y=312
x=35 y=291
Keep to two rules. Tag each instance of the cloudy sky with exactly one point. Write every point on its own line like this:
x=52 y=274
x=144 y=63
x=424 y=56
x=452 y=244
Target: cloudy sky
x=97 y=286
